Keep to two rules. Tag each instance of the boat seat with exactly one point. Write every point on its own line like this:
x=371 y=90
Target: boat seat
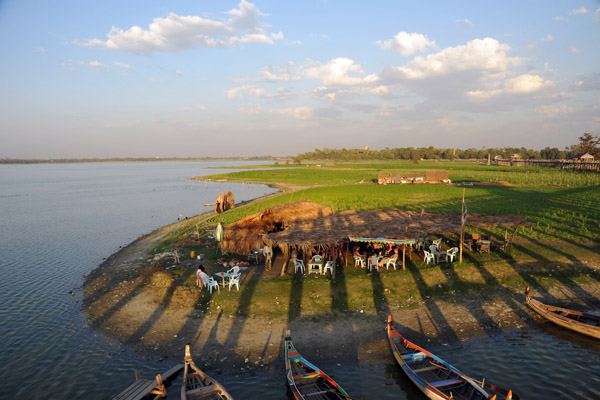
x=416 y=371
x=446 y=382
x=204 y=389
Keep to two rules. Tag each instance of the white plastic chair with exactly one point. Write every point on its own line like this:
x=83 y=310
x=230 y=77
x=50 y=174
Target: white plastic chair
x=451 y=254
x=437 y=242
x=317 y=259
x=428 y=257
x=234 y=270
x=234 y=280
x=391 y=261
x=328 y=266
x=298 y=265
x=359 y=261
x=373 y=263
x=211 y=283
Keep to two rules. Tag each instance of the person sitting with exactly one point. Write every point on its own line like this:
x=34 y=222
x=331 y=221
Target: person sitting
x=201 y=276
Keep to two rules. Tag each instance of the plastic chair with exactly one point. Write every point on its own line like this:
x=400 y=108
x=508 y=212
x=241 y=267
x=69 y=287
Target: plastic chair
x=373 y=263
x=428 y=257
x=317 y=259
x=212 y=283
x=451 y=254
x=234 y=280
x=391 y=261
x=437 y=242
x=359 y=261
x=298 y=265
x=234 y=270
x=328 y=266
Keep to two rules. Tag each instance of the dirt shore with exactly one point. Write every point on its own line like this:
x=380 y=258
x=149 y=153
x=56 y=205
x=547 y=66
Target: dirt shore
x=117 y=304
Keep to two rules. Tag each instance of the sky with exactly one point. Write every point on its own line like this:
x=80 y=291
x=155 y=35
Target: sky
x=223 y=78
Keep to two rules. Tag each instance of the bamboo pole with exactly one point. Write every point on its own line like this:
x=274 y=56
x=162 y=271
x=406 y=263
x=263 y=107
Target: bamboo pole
x=403 y=256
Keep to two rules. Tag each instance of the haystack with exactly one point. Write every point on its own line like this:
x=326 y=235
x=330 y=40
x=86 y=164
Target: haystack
x=245 y=235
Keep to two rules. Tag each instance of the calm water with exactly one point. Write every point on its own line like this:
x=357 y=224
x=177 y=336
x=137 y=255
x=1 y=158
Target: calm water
x=59 y=221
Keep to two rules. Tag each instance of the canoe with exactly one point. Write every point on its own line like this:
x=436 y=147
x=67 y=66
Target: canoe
x=306 y=381
x=577 y=321
x=197 y=385
x=437 y=379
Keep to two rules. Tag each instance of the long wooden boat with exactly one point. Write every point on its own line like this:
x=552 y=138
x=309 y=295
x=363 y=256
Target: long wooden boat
x=306 y=381
x=437 y=379
x=577 y=321
x=199 y=386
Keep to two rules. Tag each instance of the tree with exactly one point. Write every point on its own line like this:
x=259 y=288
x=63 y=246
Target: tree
x=588 y=143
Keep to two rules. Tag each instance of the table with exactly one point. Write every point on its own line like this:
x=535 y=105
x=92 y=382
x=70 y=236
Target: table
x=223 y=276
x=317 y=270
x=255 y=255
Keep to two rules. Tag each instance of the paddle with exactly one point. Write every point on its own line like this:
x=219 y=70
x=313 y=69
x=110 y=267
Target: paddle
x=482 y=383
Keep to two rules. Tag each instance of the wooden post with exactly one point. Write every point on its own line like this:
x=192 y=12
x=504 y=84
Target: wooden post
x=403 y=256
x=462 y=228
x=159 y=389
x=335 y=252
x=137 y=375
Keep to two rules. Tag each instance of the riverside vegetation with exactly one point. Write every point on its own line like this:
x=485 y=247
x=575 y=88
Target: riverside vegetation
x=558 y=256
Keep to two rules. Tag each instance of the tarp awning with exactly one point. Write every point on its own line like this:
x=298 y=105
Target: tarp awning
x=381 y=240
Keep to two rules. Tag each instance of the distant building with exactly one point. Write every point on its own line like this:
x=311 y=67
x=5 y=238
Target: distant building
x=584 y=157
x=515 y=156
x=431 y=176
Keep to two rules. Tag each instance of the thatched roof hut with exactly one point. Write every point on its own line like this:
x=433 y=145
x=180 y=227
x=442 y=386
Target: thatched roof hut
x=245 y=235
x=389 y=224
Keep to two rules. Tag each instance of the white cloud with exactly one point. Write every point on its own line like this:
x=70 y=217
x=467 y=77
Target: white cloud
x=407 y=43
x=337 y=73
x=487 y=56
x=255 y=91
x=554 y=111
x=178 y=72
x=548 y=38
x=581 y=10
x=296 y=42
x=252 y=109
x=559 y=18
x=41 y=50
x=526 y=84
x=464 y=21
x=573 y=49
x=530 y=46
x=98 y=65
x=301 y=113
x=176 y=32
x=274 y=73
x=124 y=66
x=522 y=84
x=187 y=109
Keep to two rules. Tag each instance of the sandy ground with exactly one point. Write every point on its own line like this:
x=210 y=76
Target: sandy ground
x=117 y=305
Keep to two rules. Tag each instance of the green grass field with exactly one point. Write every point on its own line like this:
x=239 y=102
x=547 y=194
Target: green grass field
x=563 y=206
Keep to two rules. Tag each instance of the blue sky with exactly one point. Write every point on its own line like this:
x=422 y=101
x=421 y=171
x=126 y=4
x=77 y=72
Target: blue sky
x=231 y=78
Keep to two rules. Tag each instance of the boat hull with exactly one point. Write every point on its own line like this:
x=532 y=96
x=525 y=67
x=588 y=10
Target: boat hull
x=305 y=380
x=432 y=373
x=566 y=318
x=197 y=385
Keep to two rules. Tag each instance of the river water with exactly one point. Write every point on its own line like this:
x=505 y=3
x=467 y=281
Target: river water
x=57 y=223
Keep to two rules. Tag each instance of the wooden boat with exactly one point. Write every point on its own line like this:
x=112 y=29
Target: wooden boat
x=199 y=386
x=437 y=379
x=577 y=321
x=306 y=381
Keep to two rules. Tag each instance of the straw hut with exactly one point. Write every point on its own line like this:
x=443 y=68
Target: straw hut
x=246 y=235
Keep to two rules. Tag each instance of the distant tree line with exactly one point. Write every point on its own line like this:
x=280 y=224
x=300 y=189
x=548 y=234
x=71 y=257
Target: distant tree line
x=588 y=143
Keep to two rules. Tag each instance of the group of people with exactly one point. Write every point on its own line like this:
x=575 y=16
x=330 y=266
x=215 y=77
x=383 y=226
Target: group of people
x=376 y=250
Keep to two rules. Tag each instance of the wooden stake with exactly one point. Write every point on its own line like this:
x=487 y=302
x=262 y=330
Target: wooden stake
x=403 y=256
